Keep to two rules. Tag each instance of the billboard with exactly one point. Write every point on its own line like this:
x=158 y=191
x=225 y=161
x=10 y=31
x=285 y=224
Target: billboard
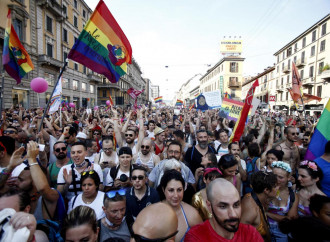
x=231 y=46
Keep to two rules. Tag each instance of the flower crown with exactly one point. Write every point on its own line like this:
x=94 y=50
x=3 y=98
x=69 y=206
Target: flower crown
x=283 y=165
x=310 y=164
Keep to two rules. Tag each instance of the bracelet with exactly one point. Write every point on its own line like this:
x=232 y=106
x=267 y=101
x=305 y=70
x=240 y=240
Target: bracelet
x=5 y=173
x=33 y=164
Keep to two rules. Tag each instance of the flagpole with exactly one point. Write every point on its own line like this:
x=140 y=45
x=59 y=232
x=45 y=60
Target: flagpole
x=49 y=100
x=1 y=92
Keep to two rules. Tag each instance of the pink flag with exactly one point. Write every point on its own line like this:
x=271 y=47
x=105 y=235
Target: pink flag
x=296 y=84
x=134 y=94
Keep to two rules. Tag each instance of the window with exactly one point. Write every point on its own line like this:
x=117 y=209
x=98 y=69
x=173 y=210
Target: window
x=321 y=65
x=295 y=47
x=303 y=42
x=75 y=4
x=75 y=85
x=311 y=71
x=322 y=45
x=289 y=64
x=91 y=87
x=283 y=55
x=288 y=79
x=282 y=66
x=303 y=57
x=278 y=59
x=65 y=56
x=282 y=81
x=50 y=78
x=302 y=74
x=282 y=96
x=84 y=13
x=18 y=26
x=84 y=69
x=49 y=50
x=75 y=39
x=83 y=87
x=277 y=69
x=65 y=82
x=76 y=66
x=65 y=35
x=49 y=24
x=286 y=96
x=313 y=50
x=65 y=10
x=319 y=91
x=310 y=90
x=295 y=59
x=233 y=67
x=75 y=21
x=324 y=29
x=289 y=51
x=314 y=36
x=104 y=92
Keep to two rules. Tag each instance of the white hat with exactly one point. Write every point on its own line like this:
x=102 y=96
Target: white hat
x=18 y=169
x=81 y=135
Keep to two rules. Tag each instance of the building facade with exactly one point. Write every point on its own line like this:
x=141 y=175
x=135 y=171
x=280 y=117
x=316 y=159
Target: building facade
x=311 y=54
x=154 y=91
x=225 y=76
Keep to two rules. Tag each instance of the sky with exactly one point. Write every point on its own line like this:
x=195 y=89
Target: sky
x=174 y=40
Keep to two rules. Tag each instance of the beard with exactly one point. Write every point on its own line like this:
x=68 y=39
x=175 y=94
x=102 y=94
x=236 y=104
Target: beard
x=61 y=156
x=225 y=223
x=203 y=144
x=144 y=152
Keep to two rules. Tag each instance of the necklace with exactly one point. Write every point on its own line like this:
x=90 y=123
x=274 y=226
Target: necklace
x=80 y=165
x=88 y=202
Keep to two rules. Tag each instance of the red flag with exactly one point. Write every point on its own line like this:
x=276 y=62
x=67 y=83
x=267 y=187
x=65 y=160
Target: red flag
x=134 y=94
x=110 y=99
x=240 y=123
x=296 y=84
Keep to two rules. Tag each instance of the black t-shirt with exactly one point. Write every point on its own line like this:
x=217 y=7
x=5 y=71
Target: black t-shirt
x=193 y=158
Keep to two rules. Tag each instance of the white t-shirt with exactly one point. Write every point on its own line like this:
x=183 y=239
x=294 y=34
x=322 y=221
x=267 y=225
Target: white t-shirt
x=151 y=135
x=91 y=158
x=96 y=204
x=103 y=157
x=109 y=181
x=61 y=181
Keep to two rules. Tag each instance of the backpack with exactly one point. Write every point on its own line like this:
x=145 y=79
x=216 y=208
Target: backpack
x=60 y=211
x=51 y=229
x=251 y=167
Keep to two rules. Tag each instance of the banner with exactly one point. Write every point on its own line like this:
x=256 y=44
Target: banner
x=231 y=46
x=208 y=100
x=230 y=109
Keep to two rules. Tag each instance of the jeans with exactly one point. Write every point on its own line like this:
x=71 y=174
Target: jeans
x=277 y=235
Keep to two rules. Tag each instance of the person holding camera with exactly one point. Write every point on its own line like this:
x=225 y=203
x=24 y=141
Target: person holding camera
x=118 y=176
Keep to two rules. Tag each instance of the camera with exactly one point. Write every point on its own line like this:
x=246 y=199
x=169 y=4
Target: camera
x=123 y=178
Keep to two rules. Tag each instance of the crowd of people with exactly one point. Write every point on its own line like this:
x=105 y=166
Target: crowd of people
x=160 y=174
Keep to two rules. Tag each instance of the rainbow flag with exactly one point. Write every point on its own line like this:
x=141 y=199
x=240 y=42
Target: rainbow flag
x=179 y=102
x=158 y=99
x=15 y=58
x=240 y=123
x=321 y=135
x=110 y=99
x=196 y=95
x=102 y=46
x=191 y=106
x=227 y=95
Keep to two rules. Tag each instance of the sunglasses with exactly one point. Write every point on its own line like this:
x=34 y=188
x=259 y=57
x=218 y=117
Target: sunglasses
x=139 y=238
x=137 y=177
x=145 y=146
x=60 y=149
x=88 y=172
x=113 y=193
x=130 y=135
x=105 y=149
x=96 y=133
x=294 y=133
x=305 y=139
x=9 y=132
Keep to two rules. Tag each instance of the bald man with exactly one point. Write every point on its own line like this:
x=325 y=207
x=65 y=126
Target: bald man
x=147 y=223
x=224 y=202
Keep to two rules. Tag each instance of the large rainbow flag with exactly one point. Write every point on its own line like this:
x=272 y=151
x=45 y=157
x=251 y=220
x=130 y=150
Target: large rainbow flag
x=15 y=58
x=158 y=99
x=321 y=135
x=102 y=46
x=179 y=102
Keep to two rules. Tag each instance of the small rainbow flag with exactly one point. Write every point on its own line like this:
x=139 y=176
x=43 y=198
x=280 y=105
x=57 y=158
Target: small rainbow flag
x=158 y=99
x=102 y=46
x=110 y=99
x=196 y=95
x=191 y=106
x=227 y=95
x=321 y=135
x=15 y=58
x=179 y=102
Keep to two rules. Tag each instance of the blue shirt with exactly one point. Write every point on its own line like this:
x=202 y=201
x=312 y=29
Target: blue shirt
x=325 y=182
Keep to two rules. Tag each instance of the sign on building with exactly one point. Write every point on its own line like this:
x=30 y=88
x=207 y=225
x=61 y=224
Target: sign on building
x=272 y=98
x=231 y=46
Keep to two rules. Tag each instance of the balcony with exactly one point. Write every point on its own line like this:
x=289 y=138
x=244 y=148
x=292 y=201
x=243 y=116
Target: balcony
x=288 y=85
x=234 y=84
x=109 y=85
x=93 y=77
x=325 y=75
x=50 y=61
x=301 y=62
x=286 y=69
x=52 y=6
x=308 y=82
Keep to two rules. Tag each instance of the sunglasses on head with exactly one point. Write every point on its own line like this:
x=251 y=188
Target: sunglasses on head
x=145 y=147
x=140 y=238
x=130 y=135
x=88 y=172
x=60 y=149
x=9 y=132
x=137 y=177
x=113 y=193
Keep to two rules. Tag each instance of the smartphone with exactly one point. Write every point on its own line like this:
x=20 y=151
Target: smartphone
x=105 y=162
x=41 y=147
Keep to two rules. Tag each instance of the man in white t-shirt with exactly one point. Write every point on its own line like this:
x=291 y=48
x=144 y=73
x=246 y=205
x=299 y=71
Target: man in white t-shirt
x=107 y=156
x=68 y=186
x=92 y=148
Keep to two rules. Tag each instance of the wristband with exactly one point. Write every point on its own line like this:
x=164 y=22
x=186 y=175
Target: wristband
x=5 y=173
x=34 y=164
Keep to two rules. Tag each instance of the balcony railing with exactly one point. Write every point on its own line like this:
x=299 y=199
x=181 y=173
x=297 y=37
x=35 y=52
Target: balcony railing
x=52 y=6
x=108 y=85
x=93 y=77
x=308 y=81
x=46 y=60
x=286 y=69
x=301 y=62
x=234 y=84
x=325 y=75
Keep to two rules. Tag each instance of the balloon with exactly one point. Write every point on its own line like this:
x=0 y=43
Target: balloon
x=87 y=99
x=96 y=107
x=39 y=85
x=72 y=105
x=108 y=102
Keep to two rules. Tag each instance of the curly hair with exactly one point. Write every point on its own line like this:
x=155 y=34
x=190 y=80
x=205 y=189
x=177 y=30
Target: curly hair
x=263 y=180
